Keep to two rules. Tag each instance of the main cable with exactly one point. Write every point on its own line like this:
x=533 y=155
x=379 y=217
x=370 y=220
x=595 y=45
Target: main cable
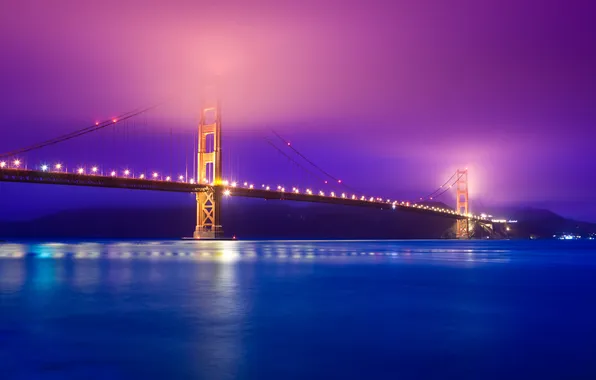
x=432 y=195
x=450 y=186
x=83 y=131
x=291 y=159
x=335 y=179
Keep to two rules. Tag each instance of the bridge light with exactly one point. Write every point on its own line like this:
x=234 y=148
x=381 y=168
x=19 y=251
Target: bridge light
x=3 y=164
x=114 y=120
x=16 y=163
x=154 y=175
x=58 y=166
x=393 y=206
x=371 y=199
x=225 y=182
x=234 y=184
x=325 y=181
x=267 y=188
x=278 y=187
x=339 y=181
x=168 y=178
x=353 y=197
x=192 y=181
x=80 y=170
x=97 y=123
x=126 y=172
x=113 y=173
x=251 y=186
x=181 y=178
x=297 y=191
x=142 y=176
x=321 y=193
x=282 y=189
x=333 y=194
x=44 y=167
x=94 y=169
x=227 y=192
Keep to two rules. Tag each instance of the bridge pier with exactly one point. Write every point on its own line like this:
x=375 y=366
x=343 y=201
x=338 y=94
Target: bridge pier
x=462 y=229
x=208 y=212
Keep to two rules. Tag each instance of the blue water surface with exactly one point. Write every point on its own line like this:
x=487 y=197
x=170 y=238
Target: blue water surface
x=273 y=310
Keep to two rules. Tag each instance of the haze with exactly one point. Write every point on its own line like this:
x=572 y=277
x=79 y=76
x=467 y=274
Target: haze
x=391 y=95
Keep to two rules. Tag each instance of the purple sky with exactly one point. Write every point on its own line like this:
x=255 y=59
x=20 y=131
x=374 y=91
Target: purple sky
x=392 y=96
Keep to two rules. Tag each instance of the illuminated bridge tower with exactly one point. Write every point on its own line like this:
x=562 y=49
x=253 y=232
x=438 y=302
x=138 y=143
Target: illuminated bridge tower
x=209 y=172
x=463 y=226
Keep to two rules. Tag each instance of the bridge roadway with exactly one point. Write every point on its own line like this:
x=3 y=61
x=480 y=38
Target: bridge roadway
x=74 y=179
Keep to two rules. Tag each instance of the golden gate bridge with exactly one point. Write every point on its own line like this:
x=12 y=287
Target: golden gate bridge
x=210 y=186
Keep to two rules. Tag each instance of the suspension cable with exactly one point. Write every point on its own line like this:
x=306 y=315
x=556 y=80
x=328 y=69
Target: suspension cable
x=292 y=159
x=440 y=188
x=335 y=179
x=446 y=188
x=83 y=131
x=289 y=145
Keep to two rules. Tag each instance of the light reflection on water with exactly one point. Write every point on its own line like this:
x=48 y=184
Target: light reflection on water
x=230 y=251
x=85 y=277
x=14 y=268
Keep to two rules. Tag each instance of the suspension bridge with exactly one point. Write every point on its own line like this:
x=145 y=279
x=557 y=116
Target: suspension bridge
x=210 y=186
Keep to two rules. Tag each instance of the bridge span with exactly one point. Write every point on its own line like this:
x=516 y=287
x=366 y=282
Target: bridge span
x=210 y=187
x=231 y=189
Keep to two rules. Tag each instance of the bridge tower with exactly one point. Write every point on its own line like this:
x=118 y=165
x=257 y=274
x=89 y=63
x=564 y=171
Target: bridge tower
x=209 y=172
x=462 y=205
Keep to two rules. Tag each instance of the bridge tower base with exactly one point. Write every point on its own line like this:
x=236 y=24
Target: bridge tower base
x=209 y=172
x=208 y=226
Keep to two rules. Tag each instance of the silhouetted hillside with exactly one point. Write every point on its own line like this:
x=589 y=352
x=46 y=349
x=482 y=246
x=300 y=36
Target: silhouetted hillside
x=262 y=220
x=271 y=219
x=544 y=223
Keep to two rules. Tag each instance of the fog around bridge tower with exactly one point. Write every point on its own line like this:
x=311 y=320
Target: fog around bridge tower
x=501 y=87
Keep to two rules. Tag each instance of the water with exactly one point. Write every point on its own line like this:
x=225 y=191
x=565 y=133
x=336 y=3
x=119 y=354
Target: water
x=298 y=310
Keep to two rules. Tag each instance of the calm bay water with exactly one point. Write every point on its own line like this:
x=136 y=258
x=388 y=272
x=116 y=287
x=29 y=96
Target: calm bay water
x=298 y=310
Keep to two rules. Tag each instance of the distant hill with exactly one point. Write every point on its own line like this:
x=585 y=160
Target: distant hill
x=263 y=219
x=544 y=223
x=274 y=219
x=537 y=223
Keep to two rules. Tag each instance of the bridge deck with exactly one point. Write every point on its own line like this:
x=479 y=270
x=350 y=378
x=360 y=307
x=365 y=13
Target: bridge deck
x=73 y=179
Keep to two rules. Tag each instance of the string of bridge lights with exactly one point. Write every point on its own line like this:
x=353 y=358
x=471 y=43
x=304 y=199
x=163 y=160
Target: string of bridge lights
x=229 y=186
